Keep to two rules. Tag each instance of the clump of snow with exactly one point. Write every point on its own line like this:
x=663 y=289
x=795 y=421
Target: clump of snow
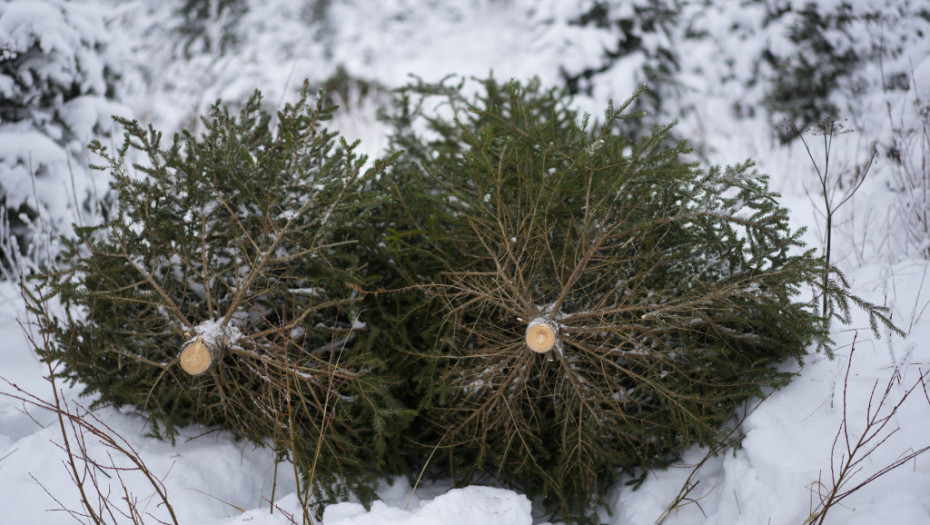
x=216 y=332
x=466 y=506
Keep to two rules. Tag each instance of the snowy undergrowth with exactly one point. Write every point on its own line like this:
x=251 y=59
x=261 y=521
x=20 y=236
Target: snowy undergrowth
x=789 y=439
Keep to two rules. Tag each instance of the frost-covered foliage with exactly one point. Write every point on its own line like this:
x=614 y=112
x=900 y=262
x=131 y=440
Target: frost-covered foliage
x=822 y=58
x=209 y=25
x=59 y=66
x=642 y=32
x=822 y=67
x=797 y=62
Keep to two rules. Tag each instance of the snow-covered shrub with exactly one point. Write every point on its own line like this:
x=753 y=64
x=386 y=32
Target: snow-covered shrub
x=822 y=57
x=208 y=26
x=58 y=74
x=830 y=51
x=576 y=305
x=643 y=32
x=223 y=291
x=910 y=174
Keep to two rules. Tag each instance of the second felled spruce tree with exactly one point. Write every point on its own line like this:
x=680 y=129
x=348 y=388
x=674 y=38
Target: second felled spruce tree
x=574 y=306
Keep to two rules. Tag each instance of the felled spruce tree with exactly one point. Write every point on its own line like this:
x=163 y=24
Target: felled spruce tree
x=223 y=291
x=578 y=306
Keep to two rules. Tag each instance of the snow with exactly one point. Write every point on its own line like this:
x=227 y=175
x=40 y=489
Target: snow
x=464 y=506
x=216 y=331
x=788 y=447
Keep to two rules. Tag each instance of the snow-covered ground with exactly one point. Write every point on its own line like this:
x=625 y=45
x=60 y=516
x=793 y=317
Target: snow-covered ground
x=795 y=441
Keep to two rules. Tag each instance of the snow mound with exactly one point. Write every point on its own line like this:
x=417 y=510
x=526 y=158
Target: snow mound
x=466 y=506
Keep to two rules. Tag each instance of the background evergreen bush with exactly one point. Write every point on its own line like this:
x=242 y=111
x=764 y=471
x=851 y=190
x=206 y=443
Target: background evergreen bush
x=209 y=26
x=803 y=82
x=643 y=32
x=59 y=71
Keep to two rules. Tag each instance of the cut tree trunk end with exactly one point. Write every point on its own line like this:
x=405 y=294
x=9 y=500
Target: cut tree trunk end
x=197 y=356
x=541 y=335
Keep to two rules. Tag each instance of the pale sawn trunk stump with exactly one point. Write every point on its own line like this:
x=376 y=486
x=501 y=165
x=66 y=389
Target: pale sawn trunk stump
x=198 y=356
x=541 y=335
